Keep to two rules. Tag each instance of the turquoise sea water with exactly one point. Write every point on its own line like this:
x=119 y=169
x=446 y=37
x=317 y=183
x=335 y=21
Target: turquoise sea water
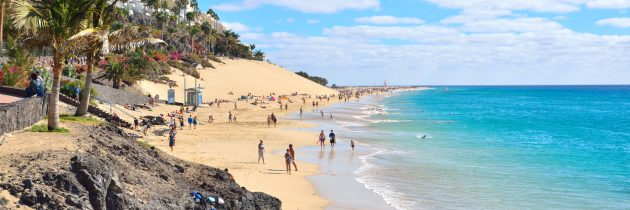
x=540 y=147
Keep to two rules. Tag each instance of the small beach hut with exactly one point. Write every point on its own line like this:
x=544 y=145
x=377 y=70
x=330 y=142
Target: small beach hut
x=193 y=97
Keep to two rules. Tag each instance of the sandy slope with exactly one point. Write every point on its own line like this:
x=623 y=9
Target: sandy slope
x=239 y=77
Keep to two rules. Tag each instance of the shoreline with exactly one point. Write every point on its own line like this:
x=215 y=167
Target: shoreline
x=339 y=167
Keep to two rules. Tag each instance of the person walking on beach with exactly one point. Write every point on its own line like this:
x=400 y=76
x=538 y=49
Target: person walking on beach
x=331 y=136
x=301 y=111
x=352 y=144
x=322 y=112
x=331 y=116
x=234 y=105
x=292 y=153
x=135 y=124
x=286 y=107
x=190 y=122
x=287 y=160
x=274 y=119
x=171 y=138
x=195 y=122
x=261 y=152
x=230 y=117
x=322 y=140
x=268 y=120
x=181 y=122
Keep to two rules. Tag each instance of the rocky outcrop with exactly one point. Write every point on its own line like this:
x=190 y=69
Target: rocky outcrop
x=113 y=171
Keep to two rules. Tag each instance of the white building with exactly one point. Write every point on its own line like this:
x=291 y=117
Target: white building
x=138 y=7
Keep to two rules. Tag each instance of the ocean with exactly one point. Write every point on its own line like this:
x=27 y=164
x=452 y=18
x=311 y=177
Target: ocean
x=494 y=147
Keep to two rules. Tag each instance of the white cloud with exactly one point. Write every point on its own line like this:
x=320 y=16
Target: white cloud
x=429 y=54
x=289 y=20
x=312 y=21
x=512 y=25
x=388 y=20
x=560 y=6
x=608 y=4
x=237 y=27
x=309 y=6
x=615 y=22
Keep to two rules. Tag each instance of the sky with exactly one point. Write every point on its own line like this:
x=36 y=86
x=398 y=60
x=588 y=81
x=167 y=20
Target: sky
x=439 y=42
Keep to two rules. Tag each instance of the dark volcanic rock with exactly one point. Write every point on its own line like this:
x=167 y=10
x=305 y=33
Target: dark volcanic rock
x=114 y=172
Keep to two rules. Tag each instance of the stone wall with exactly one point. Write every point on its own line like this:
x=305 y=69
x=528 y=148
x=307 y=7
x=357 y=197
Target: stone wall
x=20 y=114
x=117 y=96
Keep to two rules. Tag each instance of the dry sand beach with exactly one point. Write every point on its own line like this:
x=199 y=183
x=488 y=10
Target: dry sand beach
x=234 y=145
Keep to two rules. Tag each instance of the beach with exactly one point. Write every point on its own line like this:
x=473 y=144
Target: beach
x=233 y=146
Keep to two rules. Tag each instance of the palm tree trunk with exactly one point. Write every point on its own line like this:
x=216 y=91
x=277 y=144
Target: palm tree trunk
x=2 y=28
x=53 y=110
x=85 y=96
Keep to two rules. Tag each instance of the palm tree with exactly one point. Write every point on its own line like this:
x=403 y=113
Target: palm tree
x=212 y=14
x=102 y=16
x=100 y=40
x=161 y=17
x=3 y=5
x=193 y=30
x=190 y=17
x=51 y=23
x=209 y=35
x=114 y=71
x=259 y=55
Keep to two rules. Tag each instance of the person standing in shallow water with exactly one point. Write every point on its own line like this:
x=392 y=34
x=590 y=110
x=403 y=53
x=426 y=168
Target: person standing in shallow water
x=287 y=161
x=352 y=144
x=230 y=117
x=332 y=139
x=292 y=153
x=322 y=140
x=261 y=152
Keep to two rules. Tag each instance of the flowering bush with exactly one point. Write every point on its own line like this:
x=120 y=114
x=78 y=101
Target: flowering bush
x=12 y=75
x=175 y=55
x=159 y=56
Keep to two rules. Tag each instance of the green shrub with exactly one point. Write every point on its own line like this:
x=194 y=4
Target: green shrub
x=78 y=119
x=145 y=144
x=69 y=71
x=199 y=60
x=68 y=89
x=185 y=67
x=214 y=58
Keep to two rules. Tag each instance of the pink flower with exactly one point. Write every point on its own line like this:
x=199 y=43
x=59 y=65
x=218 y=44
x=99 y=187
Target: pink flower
x=13 y=69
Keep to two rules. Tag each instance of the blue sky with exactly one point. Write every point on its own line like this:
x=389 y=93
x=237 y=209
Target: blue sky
x=440 y=42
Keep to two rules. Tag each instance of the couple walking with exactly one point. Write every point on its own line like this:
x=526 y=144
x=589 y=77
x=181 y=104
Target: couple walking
x=289 y=156
x=322 y=139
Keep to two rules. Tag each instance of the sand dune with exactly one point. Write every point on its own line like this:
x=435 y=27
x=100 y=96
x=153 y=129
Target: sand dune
x=240 y=77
